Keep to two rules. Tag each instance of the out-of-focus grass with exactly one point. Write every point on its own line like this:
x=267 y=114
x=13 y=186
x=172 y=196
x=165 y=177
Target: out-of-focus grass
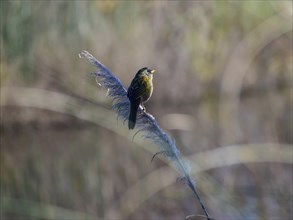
x=37 y=210
x=56 y=151
x=153 y=182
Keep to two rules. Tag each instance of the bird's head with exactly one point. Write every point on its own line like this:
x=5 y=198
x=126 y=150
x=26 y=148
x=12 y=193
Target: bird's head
x=146 y=71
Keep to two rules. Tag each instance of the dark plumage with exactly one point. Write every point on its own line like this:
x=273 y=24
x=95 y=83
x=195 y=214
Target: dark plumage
x=139 y=91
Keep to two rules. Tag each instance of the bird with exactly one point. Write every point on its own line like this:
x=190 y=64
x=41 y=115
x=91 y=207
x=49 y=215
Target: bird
x=139 y=92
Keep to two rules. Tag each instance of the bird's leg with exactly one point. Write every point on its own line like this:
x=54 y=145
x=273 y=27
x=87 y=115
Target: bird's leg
x=143 y=108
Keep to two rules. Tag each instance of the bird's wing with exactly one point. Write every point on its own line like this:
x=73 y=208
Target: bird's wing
x=136 y=89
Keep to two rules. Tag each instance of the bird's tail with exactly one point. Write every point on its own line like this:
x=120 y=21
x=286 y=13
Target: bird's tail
x=132 y=115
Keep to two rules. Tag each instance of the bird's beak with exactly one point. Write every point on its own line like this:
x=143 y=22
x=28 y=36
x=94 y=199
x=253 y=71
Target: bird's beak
x=152 y=71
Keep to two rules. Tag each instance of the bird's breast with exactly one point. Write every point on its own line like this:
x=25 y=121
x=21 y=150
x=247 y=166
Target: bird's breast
x=148 y=84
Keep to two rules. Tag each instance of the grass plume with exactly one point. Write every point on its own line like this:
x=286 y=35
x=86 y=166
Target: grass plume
x=146 y=123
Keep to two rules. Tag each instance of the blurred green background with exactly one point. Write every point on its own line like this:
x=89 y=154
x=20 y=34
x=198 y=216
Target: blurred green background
x=223 y=91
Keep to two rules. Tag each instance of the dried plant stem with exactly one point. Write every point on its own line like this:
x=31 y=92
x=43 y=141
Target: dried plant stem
x=192 y=187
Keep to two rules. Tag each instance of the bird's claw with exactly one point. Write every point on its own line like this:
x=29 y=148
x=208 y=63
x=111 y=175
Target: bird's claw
x=142 y=108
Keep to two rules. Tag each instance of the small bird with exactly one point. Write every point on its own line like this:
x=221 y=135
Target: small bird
x=139 y=91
